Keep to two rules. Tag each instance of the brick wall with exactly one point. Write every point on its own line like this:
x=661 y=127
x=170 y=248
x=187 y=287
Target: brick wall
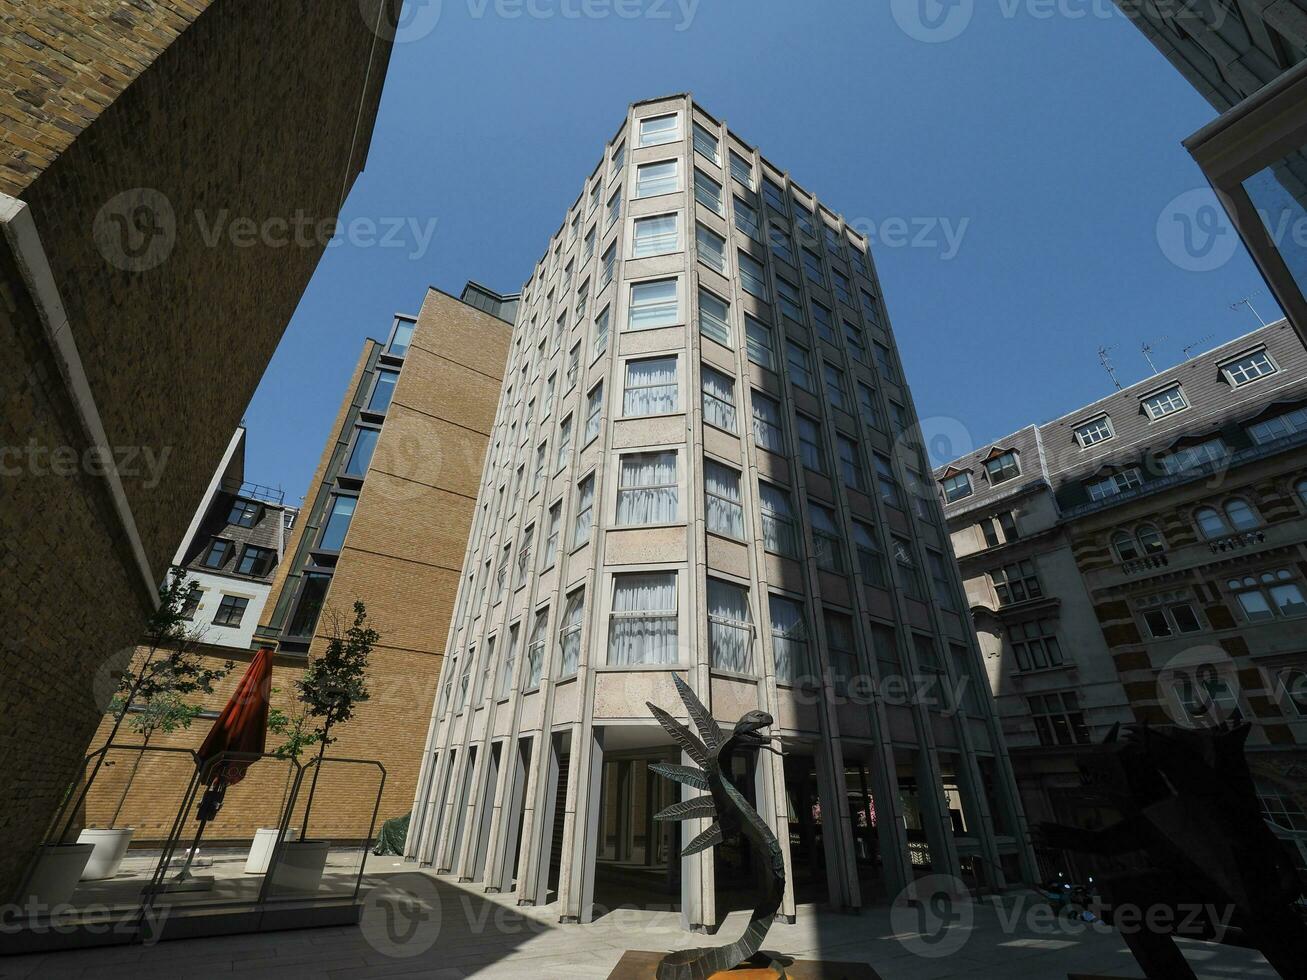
x=257 y=111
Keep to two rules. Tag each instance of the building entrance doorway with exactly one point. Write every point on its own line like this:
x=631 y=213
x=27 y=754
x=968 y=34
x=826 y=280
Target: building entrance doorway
x=637 y=861
x=807 y=829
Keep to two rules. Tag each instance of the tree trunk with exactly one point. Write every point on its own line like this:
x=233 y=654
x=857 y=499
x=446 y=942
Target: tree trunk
x=130 y=779
x=313 y=787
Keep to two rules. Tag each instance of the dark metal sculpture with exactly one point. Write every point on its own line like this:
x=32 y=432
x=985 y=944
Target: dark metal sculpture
x=1189 y=806
x=731 y=812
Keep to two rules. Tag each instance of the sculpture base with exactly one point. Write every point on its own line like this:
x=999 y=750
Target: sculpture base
x=639 y=964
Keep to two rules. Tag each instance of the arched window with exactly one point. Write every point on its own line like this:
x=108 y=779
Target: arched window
x=1242 y=516
x=1211 y=523
x=1150 y=540
x=1125 y=546
x=1300 y=488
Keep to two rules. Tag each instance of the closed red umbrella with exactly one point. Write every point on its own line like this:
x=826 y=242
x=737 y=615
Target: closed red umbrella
x=241 y=727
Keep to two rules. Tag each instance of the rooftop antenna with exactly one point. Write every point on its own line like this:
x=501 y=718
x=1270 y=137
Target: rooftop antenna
x=1248 y=302
x=1147 y=351
x=1196 y=343
x=1107 y=364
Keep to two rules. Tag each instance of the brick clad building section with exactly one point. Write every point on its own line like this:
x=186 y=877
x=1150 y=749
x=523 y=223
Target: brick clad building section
x=136 y=134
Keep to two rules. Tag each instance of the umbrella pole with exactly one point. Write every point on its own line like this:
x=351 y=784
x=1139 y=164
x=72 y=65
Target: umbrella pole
x=210 y=803
x=185 y=873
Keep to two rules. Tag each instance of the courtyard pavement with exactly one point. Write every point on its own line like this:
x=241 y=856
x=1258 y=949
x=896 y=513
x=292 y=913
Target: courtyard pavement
x=417 y=924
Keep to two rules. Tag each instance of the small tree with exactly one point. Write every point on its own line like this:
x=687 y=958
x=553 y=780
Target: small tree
x=165 y=712
x=334 y=683
x=294 y=728
x=168 y=667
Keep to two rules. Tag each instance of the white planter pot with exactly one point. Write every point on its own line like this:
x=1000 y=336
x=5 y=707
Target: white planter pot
x=265 y=838
x=299 y=869
x=58 y=869
x=110 y=849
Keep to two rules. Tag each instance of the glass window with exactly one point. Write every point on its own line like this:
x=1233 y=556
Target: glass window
x=908 y=573
x=787 y=297
x=643 y=625
x=706 y=143
x=1248 y=368
x=653 y=304
x=542 y=462
x=1058 y=719
x=724 y=510
x=803 y=218
x=1127 y=549
x=826 y=538
x=656 y=235
x=780 y=244
x=853 y=338
x=601 y=333
x=851 y=463
x=657 y=130
x=535 y=651
x=1095 y=431
x=615 y=206
x=778 y=533
x=774 y=196
x=871 y=558
x=1110 y=486
x=1211 y=523
x=337 y=524
x=718 y=399
x=730 y=627
x=594 y=406
x=651 y=387
x=255 y=561
x=957 y=487
x=647 y=489
x=585 y=502
x=867 y=406
x=365 y=441
x=758 y=343
x=231 y=610
x=711 y=248
x=401 y=338
x=1193 y=457
x=524 y=557
x=313 y=593
x=1035 y=644
x=1003 y=468
x=742 y=170
x=1165 y=403
x=510 y=660
x=789 y=640
x=752 y=278
x=714 y=317
x=590 y=243
x=812 y=267
x=858 y=261
x=243 y=513
x=841 y=649
x=618 y=160
x=652 y=179
x=941 y=579
x=835 y=387
x=1242 y=517
x=746 y=219
x=382 y=391
x=1279 y=427
x=569 y=633
x=842 y=287
x=821 y=319
x=767 y=431
x=811 y=452
x=551 y=540
x=800 y=366
x=889 y=486
x=1016 y=582
x=869 y=307
x=609 y=260
x=708 y=193
x=885 y=361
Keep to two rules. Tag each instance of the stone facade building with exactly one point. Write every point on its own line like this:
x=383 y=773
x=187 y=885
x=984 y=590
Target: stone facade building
x=704 y=462
x=136 y=135
x=1144 y=559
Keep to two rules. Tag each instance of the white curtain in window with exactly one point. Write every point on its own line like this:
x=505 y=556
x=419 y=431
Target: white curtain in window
x=655 y=235
x=650 y=387
x=653 y=304
x=777 y=520
x=718 y=399
x=535 y=654
x=584 y=511
x=767 y=431
x=730 y=628
x=570 y=635
x=789 y=633
x=646 y=491
x=643 y=624
x=725 y=515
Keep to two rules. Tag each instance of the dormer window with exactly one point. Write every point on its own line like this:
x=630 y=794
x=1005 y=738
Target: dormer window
x=244 y=513
x=957 y=487
x=1248 y=368
x=1002 y=466
x=1095 y=431
x=1169 y=401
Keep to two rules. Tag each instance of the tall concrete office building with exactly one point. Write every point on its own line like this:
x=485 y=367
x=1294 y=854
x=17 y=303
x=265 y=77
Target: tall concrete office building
x=704 y=463
x=165 y=171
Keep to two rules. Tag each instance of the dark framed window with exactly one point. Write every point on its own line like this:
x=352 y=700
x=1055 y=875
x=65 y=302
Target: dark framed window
x=192 y=602
x=400 y=338
x=336 y=525
x=255 y=561
x=382 y=390
x=244 y=513
x=218 y=553
x=230 y=611
x=360 y=455
x=313 y=592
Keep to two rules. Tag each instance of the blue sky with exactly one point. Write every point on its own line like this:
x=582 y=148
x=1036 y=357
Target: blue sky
x=1031 y=159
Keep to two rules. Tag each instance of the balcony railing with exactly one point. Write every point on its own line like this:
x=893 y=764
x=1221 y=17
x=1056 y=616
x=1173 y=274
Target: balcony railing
x=1145 y=564
x=1237 y=542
